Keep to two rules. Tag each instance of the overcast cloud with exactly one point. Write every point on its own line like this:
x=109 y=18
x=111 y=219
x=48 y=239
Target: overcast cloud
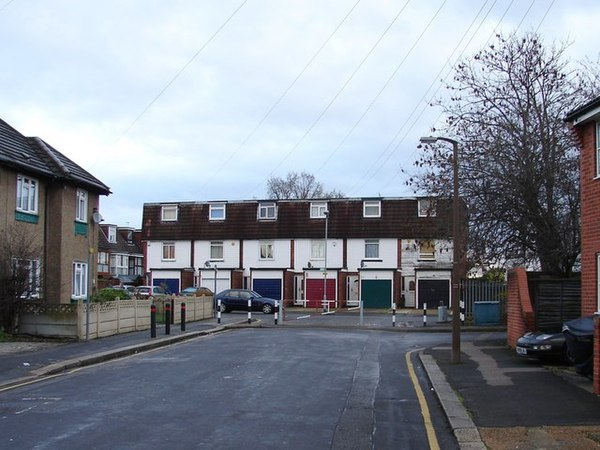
x=196 y=100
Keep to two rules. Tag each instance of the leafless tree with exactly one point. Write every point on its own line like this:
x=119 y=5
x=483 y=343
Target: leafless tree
x=298 y=186
x=20 y=271
x=519 y=163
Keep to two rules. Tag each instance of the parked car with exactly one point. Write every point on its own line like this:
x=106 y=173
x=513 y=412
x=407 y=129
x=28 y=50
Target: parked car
x=147 y=291
x=237 y=299
x=545 y=346
x=579 y=336
x=196 y=292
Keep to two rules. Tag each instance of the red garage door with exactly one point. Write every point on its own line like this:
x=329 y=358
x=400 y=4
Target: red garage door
x=314 y=292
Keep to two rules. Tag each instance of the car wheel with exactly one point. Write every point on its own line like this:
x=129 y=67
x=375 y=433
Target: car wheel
x=224 y=308
x=267 y=308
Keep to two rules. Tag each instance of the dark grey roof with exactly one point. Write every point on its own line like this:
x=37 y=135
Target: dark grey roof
x=36 y=156
x=589 y=106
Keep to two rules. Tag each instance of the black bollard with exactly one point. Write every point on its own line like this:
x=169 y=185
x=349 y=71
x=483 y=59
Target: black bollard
x=167 y=318
x=182 y=316
x=153 y=320
x=173 y=311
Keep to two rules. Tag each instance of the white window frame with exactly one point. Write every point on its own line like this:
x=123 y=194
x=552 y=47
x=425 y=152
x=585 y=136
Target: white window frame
x=168 y=251
x=112 y=234
x=372 y=208
x=265 y=250
x=427 y=255
x=317 y=249
x=119 y=264
x=216 y=211
x=427 y=208
x=27 y=194
x=267 y=211
x=103 y=262
x=371 y=244
x=169 y=213
x=318 y=210
x=80 y=280
x=81 y=206
x=216 y=250
x=597 y=149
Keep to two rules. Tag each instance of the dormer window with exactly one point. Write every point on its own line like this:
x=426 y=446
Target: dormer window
x=427 y=208
x=112 y=234
x=317 y=210
x=217 y=211
x=371 y=208
x=267 y=211
x=169 y=213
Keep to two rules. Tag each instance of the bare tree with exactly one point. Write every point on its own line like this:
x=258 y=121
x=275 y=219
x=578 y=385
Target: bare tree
x=19 y=271
x=519 y=164
x=298 y=186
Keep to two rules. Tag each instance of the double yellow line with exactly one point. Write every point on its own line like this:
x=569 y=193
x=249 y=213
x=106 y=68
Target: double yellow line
x=431 y=437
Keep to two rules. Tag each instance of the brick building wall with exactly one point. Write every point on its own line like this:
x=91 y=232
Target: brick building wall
x=519 y=310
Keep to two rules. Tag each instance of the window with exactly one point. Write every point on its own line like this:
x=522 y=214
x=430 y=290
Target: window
x=317 y=250
x=112 y=234
x=267 y=211
x=317 y=210
x=136 y=265
x=103 y=262
x=216 y=250
x=27 y=276
x=169 y=213
x=266 y=250
x=168 y=251
x=217 y=211
x=119 y=264
x=426 y=208
x=27 y=195
x=597 y=149
x=371 y=248
x=79 y=280
x=427 y=250
x=371 y=208
x=81 y=206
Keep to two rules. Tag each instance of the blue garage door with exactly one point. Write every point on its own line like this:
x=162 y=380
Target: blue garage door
x=268 y=287
x=170 y=284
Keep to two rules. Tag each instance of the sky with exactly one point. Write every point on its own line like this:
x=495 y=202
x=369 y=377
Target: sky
x=205 y=100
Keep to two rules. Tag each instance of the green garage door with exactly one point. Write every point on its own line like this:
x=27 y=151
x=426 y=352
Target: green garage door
x=376 y=293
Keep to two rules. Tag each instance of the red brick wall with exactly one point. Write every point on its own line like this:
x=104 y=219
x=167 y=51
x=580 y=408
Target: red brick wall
x=596 y=377
x=590 y=217
x=519 y=310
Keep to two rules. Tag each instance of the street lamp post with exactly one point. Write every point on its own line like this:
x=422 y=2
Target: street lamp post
x=325 y=304
x=457 y=241
x=96 y=219
x=214 y=267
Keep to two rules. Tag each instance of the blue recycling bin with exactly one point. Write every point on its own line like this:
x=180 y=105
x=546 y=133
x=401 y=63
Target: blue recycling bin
x=486 y=313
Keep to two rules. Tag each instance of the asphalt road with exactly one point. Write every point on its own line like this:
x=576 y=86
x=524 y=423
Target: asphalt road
x=248 y=388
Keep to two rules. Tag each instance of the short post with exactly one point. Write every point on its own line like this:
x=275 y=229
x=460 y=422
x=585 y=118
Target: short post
x=276 y=312
x=394 y=315
x=462 y=311
x=424 y=314
x=361 y=313
x=182 y=316
x=167 y=318
x=153 y=320
x=249 y=311
x=219 y=311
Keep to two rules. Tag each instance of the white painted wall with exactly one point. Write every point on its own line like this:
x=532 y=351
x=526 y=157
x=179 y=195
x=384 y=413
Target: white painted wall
x=388 y=254
x=231 y=253
x=302 y=254
x=182 y=255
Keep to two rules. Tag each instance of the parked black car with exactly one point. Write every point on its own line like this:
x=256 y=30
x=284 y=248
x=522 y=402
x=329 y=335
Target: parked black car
x=579 y=336
x=544 y=346
x=237 y=299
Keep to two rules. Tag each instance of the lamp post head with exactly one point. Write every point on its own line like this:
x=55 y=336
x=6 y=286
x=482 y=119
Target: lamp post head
x=428 y=139
x=326 y=213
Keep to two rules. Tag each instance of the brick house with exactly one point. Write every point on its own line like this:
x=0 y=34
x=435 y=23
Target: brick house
x=49 y=198
x=120 y=256
x=380 y=250
x=585 y=122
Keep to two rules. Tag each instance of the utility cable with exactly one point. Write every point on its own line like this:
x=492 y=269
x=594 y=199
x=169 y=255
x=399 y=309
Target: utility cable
x=181 y=70
x=335 y=97
x=281 y=97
